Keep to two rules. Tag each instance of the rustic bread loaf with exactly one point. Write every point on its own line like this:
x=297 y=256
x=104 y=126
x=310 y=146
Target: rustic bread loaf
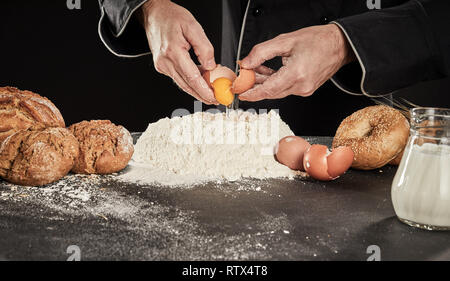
x=21 y=110
x=37 y=157
x=104 y=147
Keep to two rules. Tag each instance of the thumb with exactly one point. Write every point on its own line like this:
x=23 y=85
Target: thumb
x=266 y=51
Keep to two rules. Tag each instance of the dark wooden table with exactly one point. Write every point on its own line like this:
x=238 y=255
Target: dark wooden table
x=248 y=220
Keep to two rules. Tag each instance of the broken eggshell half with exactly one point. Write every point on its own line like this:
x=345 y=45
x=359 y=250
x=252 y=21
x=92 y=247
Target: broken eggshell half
x=290 y=151
x=321 y=164
x=245 y=81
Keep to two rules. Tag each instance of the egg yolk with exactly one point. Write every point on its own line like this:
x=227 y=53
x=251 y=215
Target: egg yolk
x=222 y=91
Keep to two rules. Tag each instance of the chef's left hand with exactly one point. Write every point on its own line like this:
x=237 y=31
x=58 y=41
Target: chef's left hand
x=310 y=57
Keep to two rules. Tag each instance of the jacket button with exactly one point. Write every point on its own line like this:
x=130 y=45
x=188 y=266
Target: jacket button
x=324 y=20
x=258 y=11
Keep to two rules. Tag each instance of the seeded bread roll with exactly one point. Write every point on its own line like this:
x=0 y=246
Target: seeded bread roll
x=37 y=157
x=104 y=147
x=20 y=110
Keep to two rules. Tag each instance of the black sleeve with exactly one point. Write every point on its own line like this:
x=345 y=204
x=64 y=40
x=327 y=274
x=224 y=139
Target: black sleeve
x=121 y=33
x=396 y=47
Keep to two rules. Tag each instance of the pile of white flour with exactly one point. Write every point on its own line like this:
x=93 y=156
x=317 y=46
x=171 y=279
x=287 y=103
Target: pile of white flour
x=203 y=147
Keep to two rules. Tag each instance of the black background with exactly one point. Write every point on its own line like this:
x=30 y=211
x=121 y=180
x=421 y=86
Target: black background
x=56 y=52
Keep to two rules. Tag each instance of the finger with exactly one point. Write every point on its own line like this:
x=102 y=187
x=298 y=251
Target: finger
x=294 y=90
x=165 y=66
x=262 y=73
x=282 y=94
x=274 y=85
x=185 y=87
x=201 y=69
x=264 y=70
x=262 y=52
x=190 y=73
x=203 y=48
x=297 y=90
x=260 y=78
x=257 y=96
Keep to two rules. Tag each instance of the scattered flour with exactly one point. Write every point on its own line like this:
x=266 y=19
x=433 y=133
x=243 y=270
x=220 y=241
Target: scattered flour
x=204 y=147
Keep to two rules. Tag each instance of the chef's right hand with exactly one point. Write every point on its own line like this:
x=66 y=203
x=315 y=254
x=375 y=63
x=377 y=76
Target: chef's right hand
x=171 y=32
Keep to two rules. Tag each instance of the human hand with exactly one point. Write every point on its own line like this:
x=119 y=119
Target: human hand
x=310 y=57
x=171 y=32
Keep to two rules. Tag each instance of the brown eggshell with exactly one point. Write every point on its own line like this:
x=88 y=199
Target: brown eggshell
x=290 y=151
x=220 y=71
x=315 y=162
x=245 y=81
x=339 y=161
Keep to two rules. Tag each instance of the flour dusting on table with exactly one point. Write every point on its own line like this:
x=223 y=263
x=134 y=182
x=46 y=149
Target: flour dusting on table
x=204 y=147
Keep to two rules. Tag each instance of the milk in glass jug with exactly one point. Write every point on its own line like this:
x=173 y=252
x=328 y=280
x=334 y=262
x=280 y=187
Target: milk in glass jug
x=421 y=186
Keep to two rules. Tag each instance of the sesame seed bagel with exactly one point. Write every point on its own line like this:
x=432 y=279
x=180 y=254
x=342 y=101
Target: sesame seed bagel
x=376 y=134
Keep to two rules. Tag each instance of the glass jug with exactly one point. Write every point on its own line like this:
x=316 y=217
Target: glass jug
x=421 y=187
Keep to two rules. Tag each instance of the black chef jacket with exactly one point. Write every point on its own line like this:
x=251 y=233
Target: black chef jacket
x=401 y=44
